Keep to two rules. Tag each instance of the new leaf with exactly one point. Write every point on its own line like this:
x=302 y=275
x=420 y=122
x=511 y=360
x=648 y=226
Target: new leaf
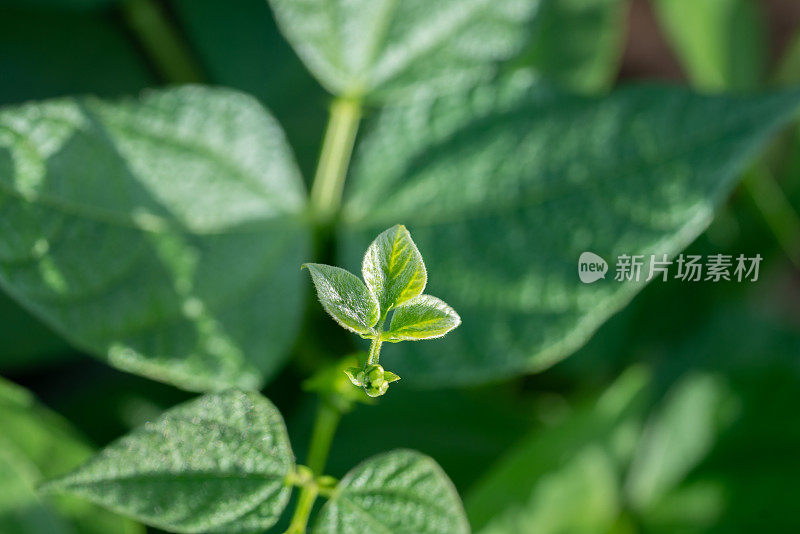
x=393 y=268
x=345 y=297
x=423 y=317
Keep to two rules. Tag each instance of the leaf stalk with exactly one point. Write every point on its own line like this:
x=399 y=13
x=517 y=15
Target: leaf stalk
x=334 y=159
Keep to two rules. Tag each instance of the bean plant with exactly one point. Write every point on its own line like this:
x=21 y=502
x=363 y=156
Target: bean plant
x=168 y=235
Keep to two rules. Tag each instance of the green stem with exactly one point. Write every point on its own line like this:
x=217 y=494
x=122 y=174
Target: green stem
x=305 y=503
x=337 y=147
x=374 y=350
x=161 y=41
x=325 y=424
x=776 y=210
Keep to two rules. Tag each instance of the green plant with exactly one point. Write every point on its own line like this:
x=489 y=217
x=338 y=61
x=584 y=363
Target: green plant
x=395 y=277
x=163 y=234
x=223 y=463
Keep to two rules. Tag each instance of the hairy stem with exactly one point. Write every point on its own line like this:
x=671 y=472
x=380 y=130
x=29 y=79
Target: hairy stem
x=325 y=424
x=374 y=351
x=161 y=41
x=337 y=146
x=776 y=210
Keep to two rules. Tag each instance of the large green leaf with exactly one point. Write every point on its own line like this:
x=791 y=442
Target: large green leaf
x=398 y=492
x=379 y=48
x=578 y=43
x=239 y=46
x=34 y=444
x=505 y=186
x=722 y=44
x=215 y=464
x=163 y=234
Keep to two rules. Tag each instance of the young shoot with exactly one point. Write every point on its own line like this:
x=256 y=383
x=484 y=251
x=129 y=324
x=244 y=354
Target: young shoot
x=394 y=278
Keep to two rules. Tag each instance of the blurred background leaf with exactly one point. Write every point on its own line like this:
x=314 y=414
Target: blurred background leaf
x=35 y=445
x=380 y=49
x=549 y=476
x=722 y=44
x=542 y=177
x=577 y=43
x=191 y=281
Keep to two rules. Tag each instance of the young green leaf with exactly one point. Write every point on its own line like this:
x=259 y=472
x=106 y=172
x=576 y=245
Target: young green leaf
x=379 y=48
x=345 y=297
x=423 y=317
x=393 y=268
x=215 y=464
x=402 y=492
x=35 y=444
x=507 y=191
x=161 y=233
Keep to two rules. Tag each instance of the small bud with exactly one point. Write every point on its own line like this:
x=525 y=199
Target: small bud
x=374 y=374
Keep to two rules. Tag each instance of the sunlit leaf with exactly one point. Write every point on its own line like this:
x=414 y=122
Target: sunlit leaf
x=402 y=492
x=345 y=297
x=393 y=268
x=215 y=464
x=162 y=233
x=423 y=317
x=380 y=48
x=508 y=184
